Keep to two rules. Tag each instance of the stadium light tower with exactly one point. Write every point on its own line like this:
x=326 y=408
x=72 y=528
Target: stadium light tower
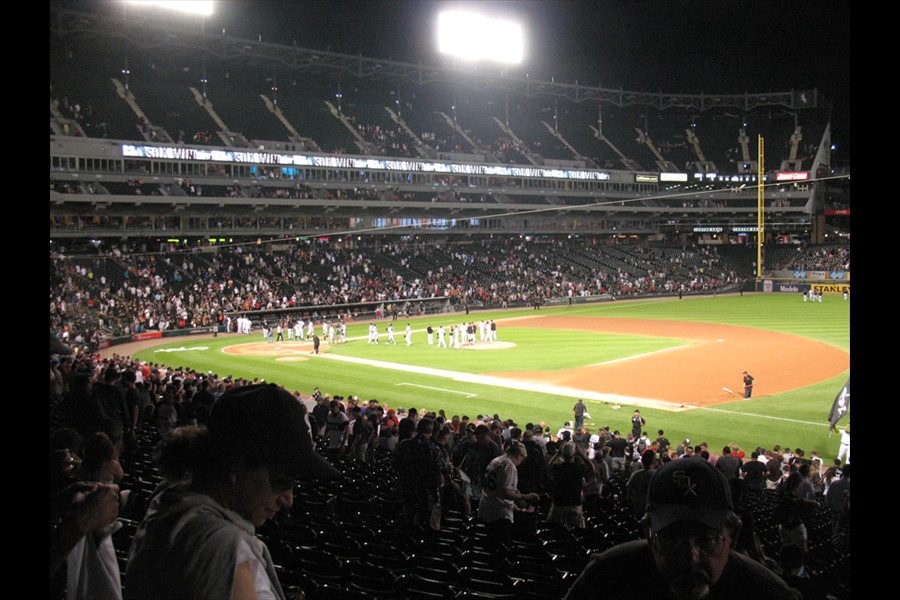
x=471 y=37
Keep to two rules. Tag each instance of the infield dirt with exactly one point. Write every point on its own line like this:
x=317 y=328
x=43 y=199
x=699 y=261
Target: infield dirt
x=697 y=373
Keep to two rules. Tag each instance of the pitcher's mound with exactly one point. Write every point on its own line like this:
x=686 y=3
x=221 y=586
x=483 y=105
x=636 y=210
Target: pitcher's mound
x=285 y=349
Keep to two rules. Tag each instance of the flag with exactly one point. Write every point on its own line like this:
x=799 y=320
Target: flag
x=841 y=405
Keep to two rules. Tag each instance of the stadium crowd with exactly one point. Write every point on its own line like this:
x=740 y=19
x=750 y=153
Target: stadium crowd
x=126 y=288
x=584 y=486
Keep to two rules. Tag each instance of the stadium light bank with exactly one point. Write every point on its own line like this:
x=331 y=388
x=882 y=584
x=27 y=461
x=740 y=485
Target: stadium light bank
x=203 y=8
x=472 y=37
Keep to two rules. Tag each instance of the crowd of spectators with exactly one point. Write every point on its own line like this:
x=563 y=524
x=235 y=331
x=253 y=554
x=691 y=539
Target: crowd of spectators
x=442 y=144
x=124 y=288
x=389 y=141
x=361 y=193
x=298 y=191
x=820 y=258
x=64 y=187
x=91 y=124
x=509 y=150
x=109 y=412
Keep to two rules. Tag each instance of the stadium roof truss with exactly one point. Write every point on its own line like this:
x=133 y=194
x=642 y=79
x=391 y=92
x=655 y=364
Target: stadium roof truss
x=151 y=34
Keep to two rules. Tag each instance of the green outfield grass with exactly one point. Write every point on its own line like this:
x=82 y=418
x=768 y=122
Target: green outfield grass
x=535 y=350
x=795 y=419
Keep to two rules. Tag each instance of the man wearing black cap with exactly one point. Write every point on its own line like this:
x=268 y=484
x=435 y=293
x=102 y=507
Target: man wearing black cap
x=688 y=553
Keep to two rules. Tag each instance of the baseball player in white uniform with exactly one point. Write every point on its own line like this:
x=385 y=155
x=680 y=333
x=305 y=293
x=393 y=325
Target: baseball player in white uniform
x=844 y=451
x=298 y=329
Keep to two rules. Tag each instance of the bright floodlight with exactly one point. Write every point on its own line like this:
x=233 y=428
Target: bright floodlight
x=194 y=7
x=471 y=36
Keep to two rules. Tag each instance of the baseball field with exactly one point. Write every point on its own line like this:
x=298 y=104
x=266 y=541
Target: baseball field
x=679 y=361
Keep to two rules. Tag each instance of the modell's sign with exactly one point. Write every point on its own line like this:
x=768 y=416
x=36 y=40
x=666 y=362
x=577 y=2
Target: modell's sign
x=149 y=335
x=792 y=176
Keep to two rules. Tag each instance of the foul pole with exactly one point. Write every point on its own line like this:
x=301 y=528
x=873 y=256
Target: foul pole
x=760 y=205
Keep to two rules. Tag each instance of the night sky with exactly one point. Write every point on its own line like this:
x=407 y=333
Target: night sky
x=677 y=46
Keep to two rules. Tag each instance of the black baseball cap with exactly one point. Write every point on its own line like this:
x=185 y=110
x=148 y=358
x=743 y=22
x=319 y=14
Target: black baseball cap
x=688 y=489
x=266 y=425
